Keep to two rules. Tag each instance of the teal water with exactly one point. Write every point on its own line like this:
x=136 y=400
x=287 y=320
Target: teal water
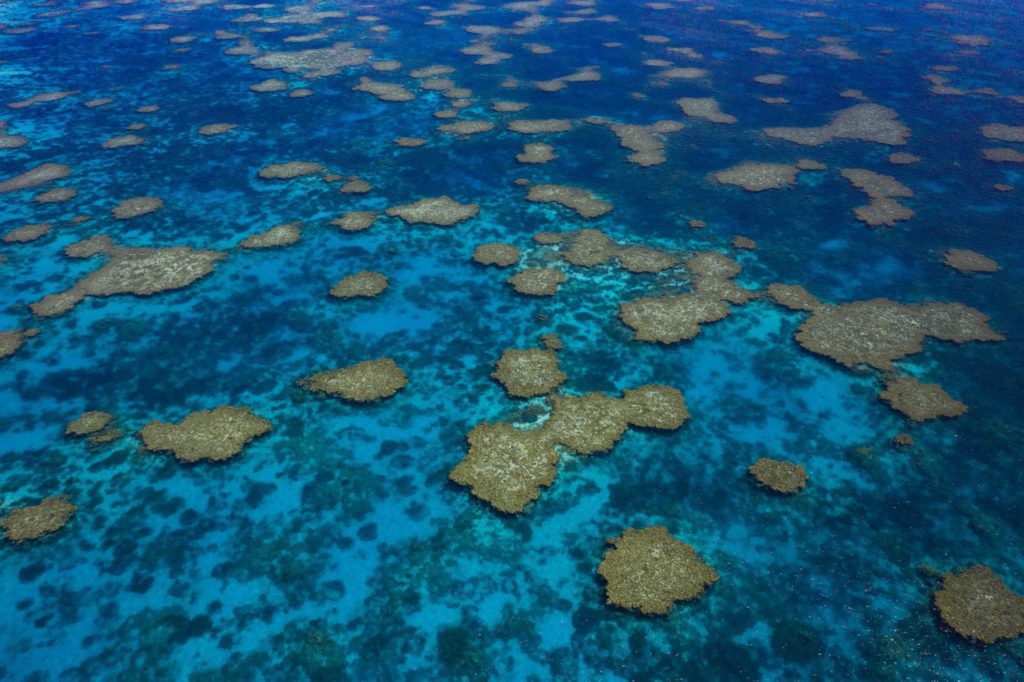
x=335 y=547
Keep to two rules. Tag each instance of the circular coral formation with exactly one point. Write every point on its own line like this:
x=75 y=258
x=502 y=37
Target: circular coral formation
x=919 y=401
x=589 y=248
x=88 y=423
x=496 y=253
x=879 y=331
x=292 y=169
x=536 y=152
x=744 y=243
x=216 y=435
x=537 y=281
x=755 y=176
x=587 y=424
x=964 y=260
x=363 y=284
x=33 y=522
x=362 y=382
x=528 y=373
x=978 y=605
x=441 y=211
x=354 y=221
x=785 y=478
x=671 y=319
x=583 y=202
x=279 y=235
x=649 y=571
x=137 y=206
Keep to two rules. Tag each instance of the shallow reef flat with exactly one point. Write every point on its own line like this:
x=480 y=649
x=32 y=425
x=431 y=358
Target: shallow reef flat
x=517 y=340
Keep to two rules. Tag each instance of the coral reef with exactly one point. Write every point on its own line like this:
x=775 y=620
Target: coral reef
x=11 y=341
x=965 y=260
x=867 y=122
x=496 y=253
x=289 y=170
x=754 y=176
x=35 y=521
x=27 y=233
x=978 y=605
x=137 y=206
x=649 y=571
x=528 y=373
x=363 y=284
x=919 y=401
x=279 y=235
x=537 y=281
x=785 y=478
x=706 y=108
x=583 y=202
x=442 y=211
x=355 y=221
x=215 y=435
x=883 y=209
x=88 y=423
x=317 y=63
x=362 y=382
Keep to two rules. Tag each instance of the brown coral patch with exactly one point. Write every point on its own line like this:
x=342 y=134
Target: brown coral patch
x=27 y=233
x=1002 y=155
x=363 y=284
x=537 y=281
x=269 y=85
x=1003 y=132
x=536 y=152
x=137 y=206
x=354 y=221
x=539 y=126
x=649 y=571
x=56 y=195
x=646 y=142
x=33 y=522
x=466 y=127
x=785 y=478
x=385 y=92
x=507 y=107
x=883 y=209
x=88 y=423
x=317 y=63
x=879 y=331
x=141 y=271
x=362 y=382
x=670 y=319
x=442 y=211
x=977 y=605
x=918 y=401
x=583 y=202
x=757 y=177
x=216 y=128
x=588 y=248
x=11 y=341
x=410 y=142
x=965 y=260
x=42 y=98
x=903 y=158
x=123 y=141
x=279 y=235
x=794 y=297
x=292 y=169
x=744 y=243
x=506 y=466
x=528 y=373
x=40 y=175
x=645 y=260
x=706 y=108
x=216 y=435
x=867 y=122
x=496 y=253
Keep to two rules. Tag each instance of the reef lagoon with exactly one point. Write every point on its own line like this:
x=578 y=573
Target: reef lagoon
x=575 y=340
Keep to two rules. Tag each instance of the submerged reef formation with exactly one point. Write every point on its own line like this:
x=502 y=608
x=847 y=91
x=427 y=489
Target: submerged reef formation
x=537 y=281
x=967 y=261
x=363 y=284
x=506 y=466
x=881 y=189
x=11 y=341
x=362 y=382
x=706 y=108
x=442 y=211
x=649 y=571
x=279 y=235
x=40 y=175
x=919 y=401
x=88 y=423
x=27 y=233
x=496 y=253
x=137 y=206
x=528 y=373
x=356 y=221
x=867 y=122
x=674 y=318
x=785 y=478
x=755 y=176
x=580 y=200
x=315 y=63
x=291 y=169
x=35 y=521
x=142 y=271
x=215 y=435
x=879 y=331
x=978 y=605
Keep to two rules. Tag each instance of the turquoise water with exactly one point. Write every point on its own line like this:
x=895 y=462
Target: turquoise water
x=335 y=547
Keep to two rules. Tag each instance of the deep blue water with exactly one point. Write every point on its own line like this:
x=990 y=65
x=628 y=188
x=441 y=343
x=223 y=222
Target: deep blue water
x=335 y=547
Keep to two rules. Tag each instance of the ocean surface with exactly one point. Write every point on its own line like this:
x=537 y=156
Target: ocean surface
x=335 y=546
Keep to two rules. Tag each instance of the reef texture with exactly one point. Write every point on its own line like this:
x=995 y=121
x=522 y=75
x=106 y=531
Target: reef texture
x=964 y=260
x=649 y=571
x=785 y=478
x=215 y=435
x=580 y=200
x=883 y=191
x=528 y=373
x=978 y=605
x=919 y=401
x=754 y=176
x=362 y=382
x=537 y=281
x=363 y=284
x=142 y=271
x=867 y=122
x=441 y=211
x=33 y=522
x=88 y=423
x=496 y=253
x=279 y=235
